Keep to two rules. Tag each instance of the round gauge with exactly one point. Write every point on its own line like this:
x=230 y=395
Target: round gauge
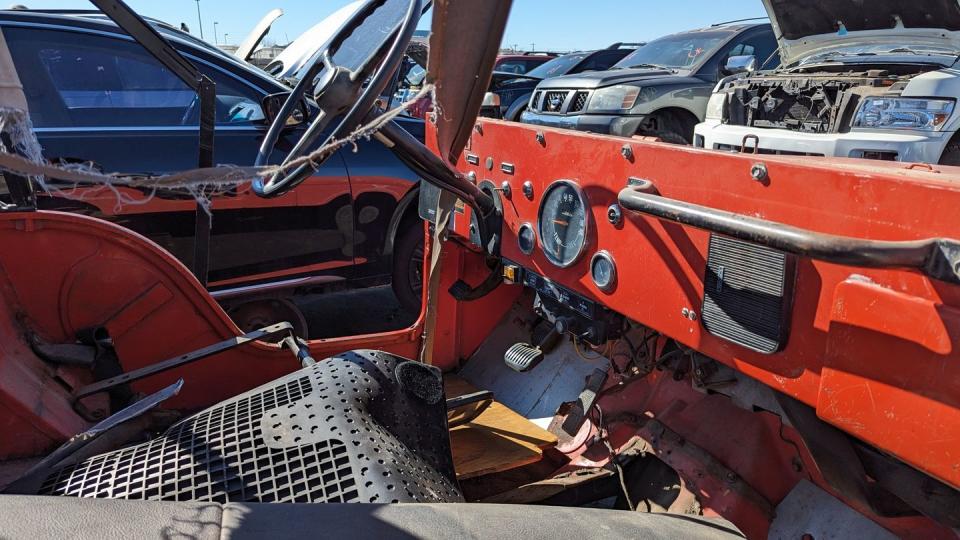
x=526 y=238
x=603 y=271
x=564 y=223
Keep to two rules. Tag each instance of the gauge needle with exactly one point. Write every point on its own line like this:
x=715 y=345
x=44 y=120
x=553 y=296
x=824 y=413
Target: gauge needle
x=564 y=223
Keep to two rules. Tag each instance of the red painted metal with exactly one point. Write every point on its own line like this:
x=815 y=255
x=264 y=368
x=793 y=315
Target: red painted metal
x=64 y=272
x=888 y=374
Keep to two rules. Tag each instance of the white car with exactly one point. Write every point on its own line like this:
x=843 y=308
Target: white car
x=878 y=83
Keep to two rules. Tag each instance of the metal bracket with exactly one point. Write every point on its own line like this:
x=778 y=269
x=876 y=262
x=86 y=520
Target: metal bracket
x=281 y=329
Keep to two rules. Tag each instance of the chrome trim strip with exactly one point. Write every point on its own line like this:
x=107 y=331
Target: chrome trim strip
x=245 y=290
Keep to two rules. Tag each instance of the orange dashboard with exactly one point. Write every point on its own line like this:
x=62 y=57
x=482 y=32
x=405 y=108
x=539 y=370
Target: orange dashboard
x=829 y=345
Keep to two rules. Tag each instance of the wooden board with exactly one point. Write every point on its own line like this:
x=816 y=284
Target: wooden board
x=496 y=441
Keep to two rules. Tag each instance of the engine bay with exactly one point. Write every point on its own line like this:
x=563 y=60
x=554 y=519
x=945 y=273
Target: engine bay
x=811 y=100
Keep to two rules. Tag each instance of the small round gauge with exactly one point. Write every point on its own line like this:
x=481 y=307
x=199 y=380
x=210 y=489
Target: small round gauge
x=526 y=238
x=603 y=271
x=564 y=223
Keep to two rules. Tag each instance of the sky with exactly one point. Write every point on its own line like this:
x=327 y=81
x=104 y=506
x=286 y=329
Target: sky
x=561 y=25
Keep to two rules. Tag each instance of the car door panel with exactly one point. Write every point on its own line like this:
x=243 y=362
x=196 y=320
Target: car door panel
x=96 y=99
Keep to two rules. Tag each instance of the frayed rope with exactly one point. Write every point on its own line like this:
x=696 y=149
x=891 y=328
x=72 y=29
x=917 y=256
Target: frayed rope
x=25 y=158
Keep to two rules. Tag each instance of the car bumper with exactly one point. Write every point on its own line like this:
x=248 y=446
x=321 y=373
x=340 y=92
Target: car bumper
x=623 y=126
x=907 y=146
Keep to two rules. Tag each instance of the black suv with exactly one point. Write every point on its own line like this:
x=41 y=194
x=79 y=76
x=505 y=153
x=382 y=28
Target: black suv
x=514 y=92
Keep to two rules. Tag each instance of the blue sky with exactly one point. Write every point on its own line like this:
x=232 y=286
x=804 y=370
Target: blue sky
x=549 y=24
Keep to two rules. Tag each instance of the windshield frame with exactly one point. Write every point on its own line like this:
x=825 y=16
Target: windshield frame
x=723 y=36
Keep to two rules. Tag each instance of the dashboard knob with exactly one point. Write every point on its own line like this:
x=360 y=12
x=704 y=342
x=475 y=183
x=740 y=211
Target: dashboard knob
x=564 y=325
x=528 y=189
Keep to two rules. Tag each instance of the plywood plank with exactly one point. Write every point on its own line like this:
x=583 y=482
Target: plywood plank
x=496 y=441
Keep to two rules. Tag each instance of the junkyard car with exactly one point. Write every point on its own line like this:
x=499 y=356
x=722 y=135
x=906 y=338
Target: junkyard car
x=877 y=84
x=519 y=64
x=96 y=97
x=661 y=89
x=513 y=93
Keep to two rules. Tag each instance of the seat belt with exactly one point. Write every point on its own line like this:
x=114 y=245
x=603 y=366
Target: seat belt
x=441 y=231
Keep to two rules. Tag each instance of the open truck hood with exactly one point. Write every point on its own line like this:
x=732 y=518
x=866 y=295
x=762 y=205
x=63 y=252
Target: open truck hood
x=255 y=37
x=804 y=27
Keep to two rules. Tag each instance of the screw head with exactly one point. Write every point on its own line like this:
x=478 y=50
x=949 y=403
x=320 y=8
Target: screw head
x=759 y=172
x=489 y=163
x=528 y=189
x=506 y=189
x=541 y=138
x=614 y=214
x=627 y=152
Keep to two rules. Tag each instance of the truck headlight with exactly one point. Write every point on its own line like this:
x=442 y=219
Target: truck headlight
x=614 y=99
x=904 y=113
x=715 y=106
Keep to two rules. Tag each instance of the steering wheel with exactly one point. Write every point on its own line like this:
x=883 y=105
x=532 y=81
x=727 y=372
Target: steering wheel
x=348 y=92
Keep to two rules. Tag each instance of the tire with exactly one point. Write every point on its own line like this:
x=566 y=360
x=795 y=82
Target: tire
x=951 y=154
x=669 y=128
x=408 y=266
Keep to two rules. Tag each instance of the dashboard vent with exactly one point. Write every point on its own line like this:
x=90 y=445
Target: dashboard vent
x=748 y=292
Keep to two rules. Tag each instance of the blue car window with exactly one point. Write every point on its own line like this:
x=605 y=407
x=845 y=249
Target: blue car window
x=78 y=80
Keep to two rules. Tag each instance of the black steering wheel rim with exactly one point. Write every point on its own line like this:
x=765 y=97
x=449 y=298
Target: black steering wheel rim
x=379 y=67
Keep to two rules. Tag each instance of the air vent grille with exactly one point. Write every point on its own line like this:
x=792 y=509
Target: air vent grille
x=748 y=294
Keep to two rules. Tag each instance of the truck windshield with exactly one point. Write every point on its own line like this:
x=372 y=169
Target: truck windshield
x=680 y=51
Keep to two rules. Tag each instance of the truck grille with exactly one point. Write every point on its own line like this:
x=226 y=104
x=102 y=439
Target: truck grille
x=579 y=102
x=553 y=101
x=747 y=294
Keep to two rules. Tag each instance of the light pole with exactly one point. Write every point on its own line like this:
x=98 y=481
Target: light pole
x=199 y=19
x=225 y=40
x=216 y=40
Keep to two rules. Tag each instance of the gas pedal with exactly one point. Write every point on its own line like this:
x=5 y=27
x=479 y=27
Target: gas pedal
x=523 y=357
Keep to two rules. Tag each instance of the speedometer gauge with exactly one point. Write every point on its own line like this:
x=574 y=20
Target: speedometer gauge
x=564 y=223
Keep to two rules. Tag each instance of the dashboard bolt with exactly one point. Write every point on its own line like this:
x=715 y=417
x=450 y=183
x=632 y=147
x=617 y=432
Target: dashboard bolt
x=759 y=172
x=615 y=215
x=489 y=163
x=528 y=189
x=541 y=138
x=472 y=176
x=478 y=128
x=627 y=152
x=506 y=189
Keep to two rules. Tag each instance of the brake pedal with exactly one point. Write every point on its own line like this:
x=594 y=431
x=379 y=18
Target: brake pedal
x=523 y=357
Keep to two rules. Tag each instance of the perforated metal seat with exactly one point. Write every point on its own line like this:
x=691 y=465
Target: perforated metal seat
x=365 y=426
